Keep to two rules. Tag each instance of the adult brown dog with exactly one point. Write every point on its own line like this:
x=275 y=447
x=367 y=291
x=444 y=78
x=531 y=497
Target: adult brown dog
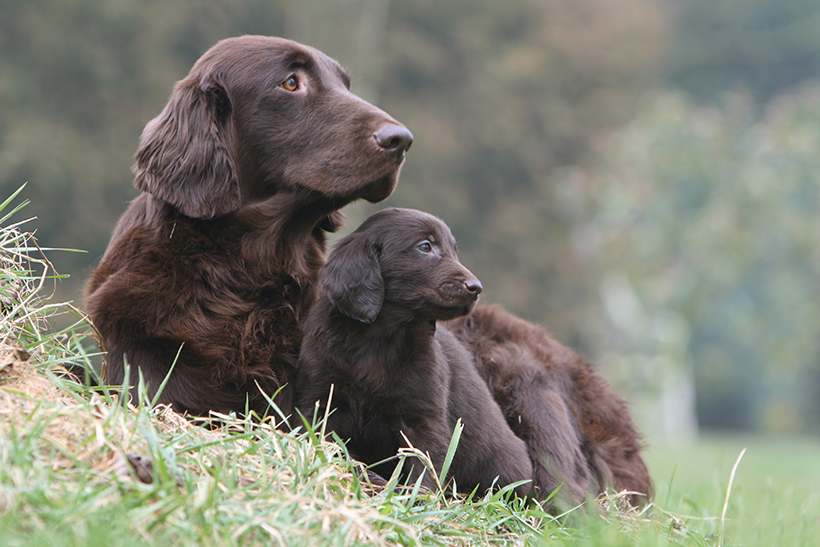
x=242 y=172
x=372 y=336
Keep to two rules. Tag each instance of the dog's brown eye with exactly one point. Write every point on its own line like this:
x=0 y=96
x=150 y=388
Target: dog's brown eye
x=291 y=84
x=425 y=247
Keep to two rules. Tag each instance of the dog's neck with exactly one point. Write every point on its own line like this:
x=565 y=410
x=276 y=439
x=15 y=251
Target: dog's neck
x=288 y=231
x=283 y=233
x=387 y=330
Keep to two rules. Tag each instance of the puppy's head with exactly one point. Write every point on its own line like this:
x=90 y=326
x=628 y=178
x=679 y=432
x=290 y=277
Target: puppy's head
x=401 y=265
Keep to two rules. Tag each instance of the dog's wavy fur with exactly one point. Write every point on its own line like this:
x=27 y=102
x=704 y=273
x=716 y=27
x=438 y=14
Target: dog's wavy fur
x=579 y=432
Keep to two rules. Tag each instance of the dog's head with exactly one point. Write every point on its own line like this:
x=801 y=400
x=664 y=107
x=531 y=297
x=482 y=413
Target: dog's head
x=401 y=265
x=259 y=117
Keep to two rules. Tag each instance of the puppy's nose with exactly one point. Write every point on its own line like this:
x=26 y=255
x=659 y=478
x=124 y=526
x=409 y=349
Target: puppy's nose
x=395 y=140
x=473 y=286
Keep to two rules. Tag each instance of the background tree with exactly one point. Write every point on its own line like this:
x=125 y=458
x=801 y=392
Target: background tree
x=760 y=46
x=705 y=223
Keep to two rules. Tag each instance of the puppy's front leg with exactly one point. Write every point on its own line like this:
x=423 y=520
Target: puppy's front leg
x=431 y=437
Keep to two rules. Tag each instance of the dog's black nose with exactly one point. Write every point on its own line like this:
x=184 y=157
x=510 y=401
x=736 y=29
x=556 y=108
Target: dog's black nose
x=395 y=140
x=473 y=286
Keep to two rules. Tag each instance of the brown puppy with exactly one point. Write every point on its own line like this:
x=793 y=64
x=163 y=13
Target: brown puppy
x=372 y=335
x=256 y=150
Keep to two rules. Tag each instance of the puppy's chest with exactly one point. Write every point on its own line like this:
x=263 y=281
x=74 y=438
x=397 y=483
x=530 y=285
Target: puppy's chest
x=402 y=376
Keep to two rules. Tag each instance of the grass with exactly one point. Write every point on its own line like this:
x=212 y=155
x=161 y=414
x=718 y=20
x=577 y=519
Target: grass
x=80 y=467
x=775 y=496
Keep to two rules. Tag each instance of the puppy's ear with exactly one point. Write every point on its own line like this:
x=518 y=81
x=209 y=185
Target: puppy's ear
x=352 y=278
x=332 y=222
x=185 y=156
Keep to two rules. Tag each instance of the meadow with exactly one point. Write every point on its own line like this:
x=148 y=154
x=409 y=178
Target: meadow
x=775 y=497
x=82 y=467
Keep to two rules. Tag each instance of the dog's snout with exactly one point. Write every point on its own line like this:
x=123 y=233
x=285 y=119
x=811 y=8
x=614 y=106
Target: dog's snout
x=395 y=140
x=474 y=286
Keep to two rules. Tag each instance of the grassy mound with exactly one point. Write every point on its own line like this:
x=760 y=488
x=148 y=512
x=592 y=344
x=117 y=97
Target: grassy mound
x=81 y=466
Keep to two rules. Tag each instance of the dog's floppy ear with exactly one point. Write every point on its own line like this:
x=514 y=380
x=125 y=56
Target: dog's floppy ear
x=352 y=278
x=185 y=157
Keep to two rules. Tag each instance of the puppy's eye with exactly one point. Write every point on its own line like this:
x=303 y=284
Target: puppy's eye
x=425 y=247
x=292 y=83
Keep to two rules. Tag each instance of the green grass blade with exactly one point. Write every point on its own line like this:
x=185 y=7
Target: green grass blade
x=161 y=387
x=451 y=450
x=9 y=200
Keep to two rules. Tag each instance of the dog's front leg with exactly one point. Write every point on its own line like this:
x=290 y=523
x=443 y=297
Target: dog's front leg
x=431 y=437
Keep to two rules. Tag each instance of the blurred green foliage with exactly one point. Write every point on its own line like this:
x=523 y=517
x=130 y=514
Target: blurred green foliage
x=512 y=105
x=760 y=46
x=708 y=218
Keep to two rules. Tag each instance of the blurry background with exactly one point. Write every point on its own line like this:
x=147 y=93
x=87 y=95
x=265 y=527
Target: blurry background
x=642 y=177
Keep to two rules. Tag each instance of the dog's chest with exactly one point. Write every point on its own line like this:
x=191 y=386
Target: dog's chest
x=254 y=324
x=402 y=377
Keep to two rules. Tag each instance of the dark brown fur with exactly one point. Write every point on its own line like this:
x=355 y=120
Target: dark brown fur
x=577 y=429
x=255 y=152
x=372 y=335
